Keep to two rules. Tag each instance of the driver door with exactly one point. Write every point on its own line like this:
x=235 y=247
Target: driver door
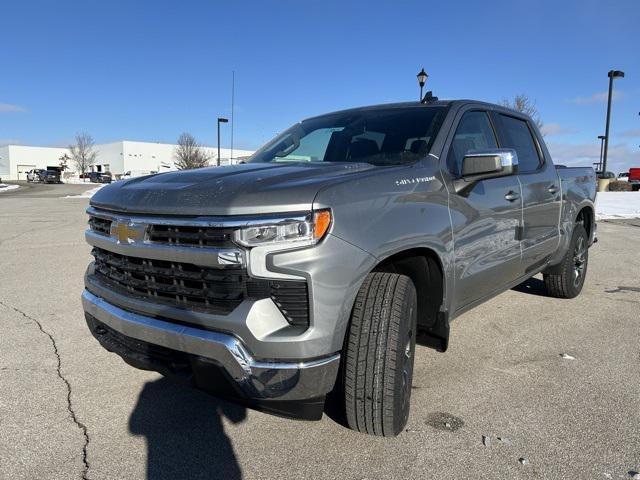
x=486 y=218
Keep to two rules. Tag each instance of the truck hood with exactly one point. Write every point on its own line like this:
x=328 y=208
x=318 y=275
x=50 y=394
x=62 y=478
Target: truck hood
x=253 y=188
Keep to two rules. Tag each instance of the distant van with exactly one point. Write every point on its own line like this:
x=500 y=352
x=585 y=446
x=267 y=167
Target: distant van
x=136 y=173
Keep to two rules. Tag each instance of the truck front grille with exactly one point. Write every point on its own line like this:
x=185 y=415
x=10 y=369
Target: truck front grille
x=188 y=286
x=100 y=225
x=189 y=236
x=177 y=235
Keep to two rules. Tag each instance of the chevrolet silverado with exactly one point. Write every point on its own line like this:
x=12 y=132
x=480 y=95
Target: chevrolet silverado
x=313 y=267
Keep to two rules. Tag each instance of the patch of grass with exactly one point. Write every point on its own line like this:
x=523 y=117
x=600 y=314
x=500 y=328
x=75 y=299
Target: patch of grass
x=616 y=186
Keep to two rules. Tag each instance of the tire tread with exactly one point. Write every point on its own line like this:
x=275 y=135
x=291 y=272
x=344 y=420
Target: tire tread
x=559 y=283
x=370 y=367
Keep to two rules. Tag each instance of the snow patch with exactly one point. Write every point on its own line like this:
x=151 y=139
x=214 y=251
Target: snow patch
x=4 y=187
x=88 y=193
x=617 y=205
x=75 y=180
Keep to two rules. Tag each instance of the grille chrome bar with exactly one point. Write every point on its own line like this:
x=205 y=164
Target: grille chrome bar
x=208 y=257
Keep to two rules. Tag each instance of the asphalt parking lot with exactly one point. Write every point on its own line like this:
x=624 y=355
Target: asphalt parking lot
x=69 y=409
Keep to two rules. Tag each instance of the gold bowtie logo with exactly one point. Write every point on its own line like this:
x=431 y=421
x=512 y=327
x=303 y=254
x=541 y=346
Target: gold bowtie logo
x=126 y=232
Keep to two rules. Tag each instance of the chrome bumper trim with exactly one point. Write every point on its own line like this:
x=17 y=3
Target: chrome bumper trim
x=257 y=379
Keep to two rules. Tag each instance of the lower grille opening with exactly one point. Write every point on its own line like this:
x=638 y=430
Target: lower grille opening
x=203 y=289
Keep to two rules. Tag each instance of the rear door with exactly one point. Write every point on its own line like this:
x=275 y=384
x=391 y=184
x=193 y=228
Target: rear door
x=541 y=195
x=485 y=220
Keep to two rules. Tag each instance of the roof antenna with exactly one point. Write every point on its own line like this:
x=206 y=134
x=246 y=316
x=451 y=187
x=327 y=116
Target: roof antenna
x=429 y=98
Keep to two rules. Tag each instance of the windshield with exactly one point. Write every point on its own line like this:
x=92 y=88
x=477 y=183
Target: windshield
x=389 y=136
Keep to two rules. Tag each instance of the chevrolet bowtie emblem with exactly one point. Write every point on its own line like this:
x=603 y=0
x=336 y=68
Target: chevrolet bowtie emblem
x=127 y=232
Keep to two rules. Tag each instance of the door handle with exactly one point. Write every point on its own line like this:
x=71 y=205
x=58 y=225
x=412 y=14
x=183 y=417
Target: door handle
x=553 y=189
x=512 y=196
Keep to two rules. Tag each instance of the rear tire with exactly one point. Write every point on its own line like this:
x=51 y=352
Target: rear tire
x=566 y=279
x=378 y=367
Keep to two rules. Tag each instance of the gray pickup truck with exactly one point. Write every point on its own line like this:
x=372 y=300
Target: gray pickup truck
x=314 y=267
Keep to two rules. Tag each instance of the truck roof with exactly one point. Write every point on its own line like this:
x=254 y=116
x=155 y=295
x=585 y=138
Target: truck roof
x=402 y=105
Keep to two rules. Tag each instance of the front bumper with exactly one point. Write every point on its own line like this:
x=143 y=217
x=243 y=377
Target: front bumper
x=193 y=354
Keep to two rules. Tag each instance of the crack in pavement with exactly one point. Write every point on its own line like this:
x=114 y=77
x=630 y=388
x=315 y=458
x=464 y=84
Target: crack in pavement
x=79 y=424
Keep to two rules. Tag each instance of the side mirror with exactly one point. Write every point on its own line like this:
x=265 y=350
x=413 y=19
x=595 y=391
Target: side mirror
x=482 y=164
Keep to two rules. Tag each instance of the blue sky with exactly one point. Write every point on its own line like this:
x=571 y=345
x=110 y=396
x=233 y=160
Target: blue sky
x=151 y=70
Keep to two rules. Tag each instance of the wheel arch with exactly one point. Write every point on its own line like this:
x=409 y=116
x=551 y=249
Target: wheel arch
x=586 y=217
x=426 y=270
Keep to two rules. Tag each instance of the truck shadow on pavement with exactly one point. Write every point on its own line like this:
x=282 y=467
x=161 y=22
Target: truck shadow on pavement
x=184 y=432
x=532 y=286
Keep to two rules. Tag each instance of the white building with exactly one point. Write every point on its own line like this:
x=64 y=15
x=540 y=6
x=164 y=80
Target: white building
x=17 y=160
x=118 y=158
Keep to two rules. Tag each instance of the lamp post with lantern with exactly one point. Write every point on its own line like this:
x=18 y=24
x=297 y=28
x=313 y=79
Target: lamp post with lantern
x=422 y=79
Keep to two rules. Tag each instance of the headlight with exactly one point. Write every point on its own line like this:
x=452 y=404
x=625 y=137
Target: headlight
x=307 y=230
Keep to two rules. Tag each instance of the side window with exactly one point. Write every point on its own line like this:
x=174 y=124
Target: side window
x=474 y=132
x=517 y=135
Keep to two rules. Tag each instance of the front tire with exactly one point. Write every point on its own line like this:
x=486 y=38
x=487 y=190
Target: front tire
x=567 y=279
x=378 y=368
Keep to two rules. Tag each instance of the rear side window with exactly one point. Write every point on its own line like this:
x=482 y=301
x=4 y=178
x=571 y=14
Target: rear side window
x=474 y=132
x=517 y=135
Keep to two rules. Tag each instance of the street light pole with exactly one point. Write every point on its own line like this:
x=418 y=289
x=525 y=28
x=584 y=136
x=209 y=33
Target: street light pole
x=612 y=74
x=220 y=120
x=601 y=137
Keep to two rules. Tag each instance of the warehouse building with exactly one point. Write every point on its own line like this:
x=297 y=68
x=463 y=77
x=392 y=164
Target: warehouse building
x=121 y=157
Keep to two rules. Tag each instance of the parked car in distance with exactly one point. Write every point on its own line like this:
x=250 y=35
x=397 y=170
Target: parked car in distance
x=313 y=267
x=34 y=175
x=100 y=177
x=605 y=175
x=623 y=177
x=634 y=178
x=50 y=176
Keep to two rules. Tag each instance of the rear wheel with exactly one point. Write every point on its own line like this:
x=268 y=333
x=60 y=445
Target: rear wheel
x=566 y=279
x=378 y=367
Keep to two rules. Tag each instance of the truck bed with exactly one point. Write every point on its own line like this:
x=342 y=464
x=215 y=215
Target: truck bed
x=580 y=178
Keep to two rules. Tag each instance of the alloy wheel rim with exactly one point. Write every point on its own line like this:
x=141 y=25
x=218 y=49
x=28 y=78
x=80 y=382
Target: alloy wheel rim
x=407 y=370
x=579 y=261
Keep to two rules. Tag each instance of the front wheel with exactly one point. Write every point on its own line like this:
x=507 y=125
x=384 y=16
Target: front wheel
x=566 y=279
x=378 y=367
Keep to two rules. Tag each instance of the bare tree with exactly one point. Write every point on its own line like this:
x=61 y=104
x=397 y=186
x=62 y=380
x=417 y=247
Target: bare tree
x=190 y=154
x=82 y=152
x=64 y=162
x=522 y=103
